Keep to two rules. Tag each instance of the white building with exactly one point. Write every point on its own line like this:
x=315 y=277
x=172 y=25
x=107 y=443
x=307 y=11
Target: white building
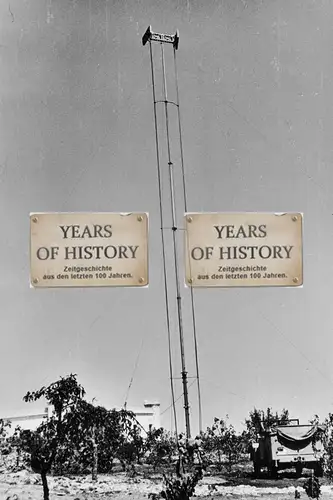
x=28 y=421
x=148 y=418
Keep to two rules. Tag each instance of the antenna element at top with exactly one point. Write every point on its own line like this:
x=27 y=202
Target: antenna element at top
x=160 y=37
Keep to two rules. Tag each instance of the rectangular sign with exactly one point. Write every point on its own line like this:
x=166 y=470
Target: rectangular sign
x=88 y=249
x=243 y=249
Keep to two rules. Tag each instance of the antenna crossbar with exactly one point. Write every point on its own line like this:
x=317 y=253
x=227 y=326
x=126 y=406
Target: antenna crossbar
x=150 y=36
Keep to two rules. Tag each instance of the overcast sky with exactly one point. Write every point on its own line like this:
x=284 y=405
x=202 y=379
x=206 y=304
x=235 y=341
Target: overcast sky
x=77 y=134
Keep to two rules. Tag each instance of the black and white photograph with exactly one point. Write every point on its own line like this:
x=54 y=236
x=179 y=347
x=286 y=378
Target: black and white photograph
x=166 y=257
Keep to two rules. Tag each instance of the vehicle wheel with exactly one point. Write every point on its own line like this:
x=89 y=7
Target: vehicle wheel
x=299 y=470
x=257 y=470
x=273 y=472
x=319 y=471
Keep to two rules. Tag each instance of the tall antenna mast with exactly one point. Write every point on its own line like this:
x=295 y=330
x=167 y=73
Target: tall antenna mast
x=162 y=39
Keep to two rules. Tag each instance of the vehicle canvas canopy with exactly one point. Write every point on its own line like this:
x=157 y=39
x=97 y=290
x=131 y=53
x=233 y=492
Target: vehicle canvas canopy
x=296 y=437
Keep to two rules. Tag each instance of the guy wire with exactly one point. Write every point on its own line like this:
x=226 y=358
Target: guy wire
x=185 y=207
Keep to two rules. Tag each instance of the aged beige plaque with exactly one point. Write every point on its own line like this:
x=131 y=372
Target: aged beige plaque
x=88 y=249
x=243 y=249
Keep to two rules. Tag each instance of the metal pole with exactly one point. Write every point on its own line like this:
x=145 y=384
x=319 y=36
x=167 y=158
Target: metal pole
x=163 y=244
x=175 y=252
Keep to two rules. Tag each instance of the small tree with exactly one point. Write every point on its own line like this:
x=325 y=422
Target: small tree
x=232 y=446
x=260 y=421
x=188 y=472
x=132 y=447
x=312 y=487
x=5 y=425
x=212 y=441
x=5 y=441
x=95 y=437
x=327 y=439
x=117 y=429
x=182 y=488
x=44 y=443
x=40 y=445
x=160 y=447
x=85 y=423
x=138 y=442
x=22 y=457
x=223 y=441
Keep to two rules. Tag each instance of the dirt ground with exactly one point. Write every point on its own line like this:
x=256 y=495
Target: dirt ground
x=24 y=485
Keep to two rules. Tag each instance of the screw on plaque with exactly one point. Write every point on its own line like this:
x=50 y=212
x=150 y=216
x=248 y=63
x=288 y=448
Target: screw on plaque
x=189 y=219
x=140 y=218
x=294 y=218
x=295 y=280
x=190 y=281
x=35 y=281
x=35 y=219
x=141 y=280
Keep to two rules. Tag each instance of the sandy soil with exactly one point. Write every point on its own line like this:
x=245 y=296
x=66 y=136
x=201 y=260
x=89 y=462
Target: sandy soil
x=27 y=486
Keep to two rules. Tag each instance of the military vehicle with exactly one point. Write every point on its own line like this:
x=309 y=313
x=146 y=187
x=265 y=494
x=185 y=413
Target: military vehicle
x=288 y=446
